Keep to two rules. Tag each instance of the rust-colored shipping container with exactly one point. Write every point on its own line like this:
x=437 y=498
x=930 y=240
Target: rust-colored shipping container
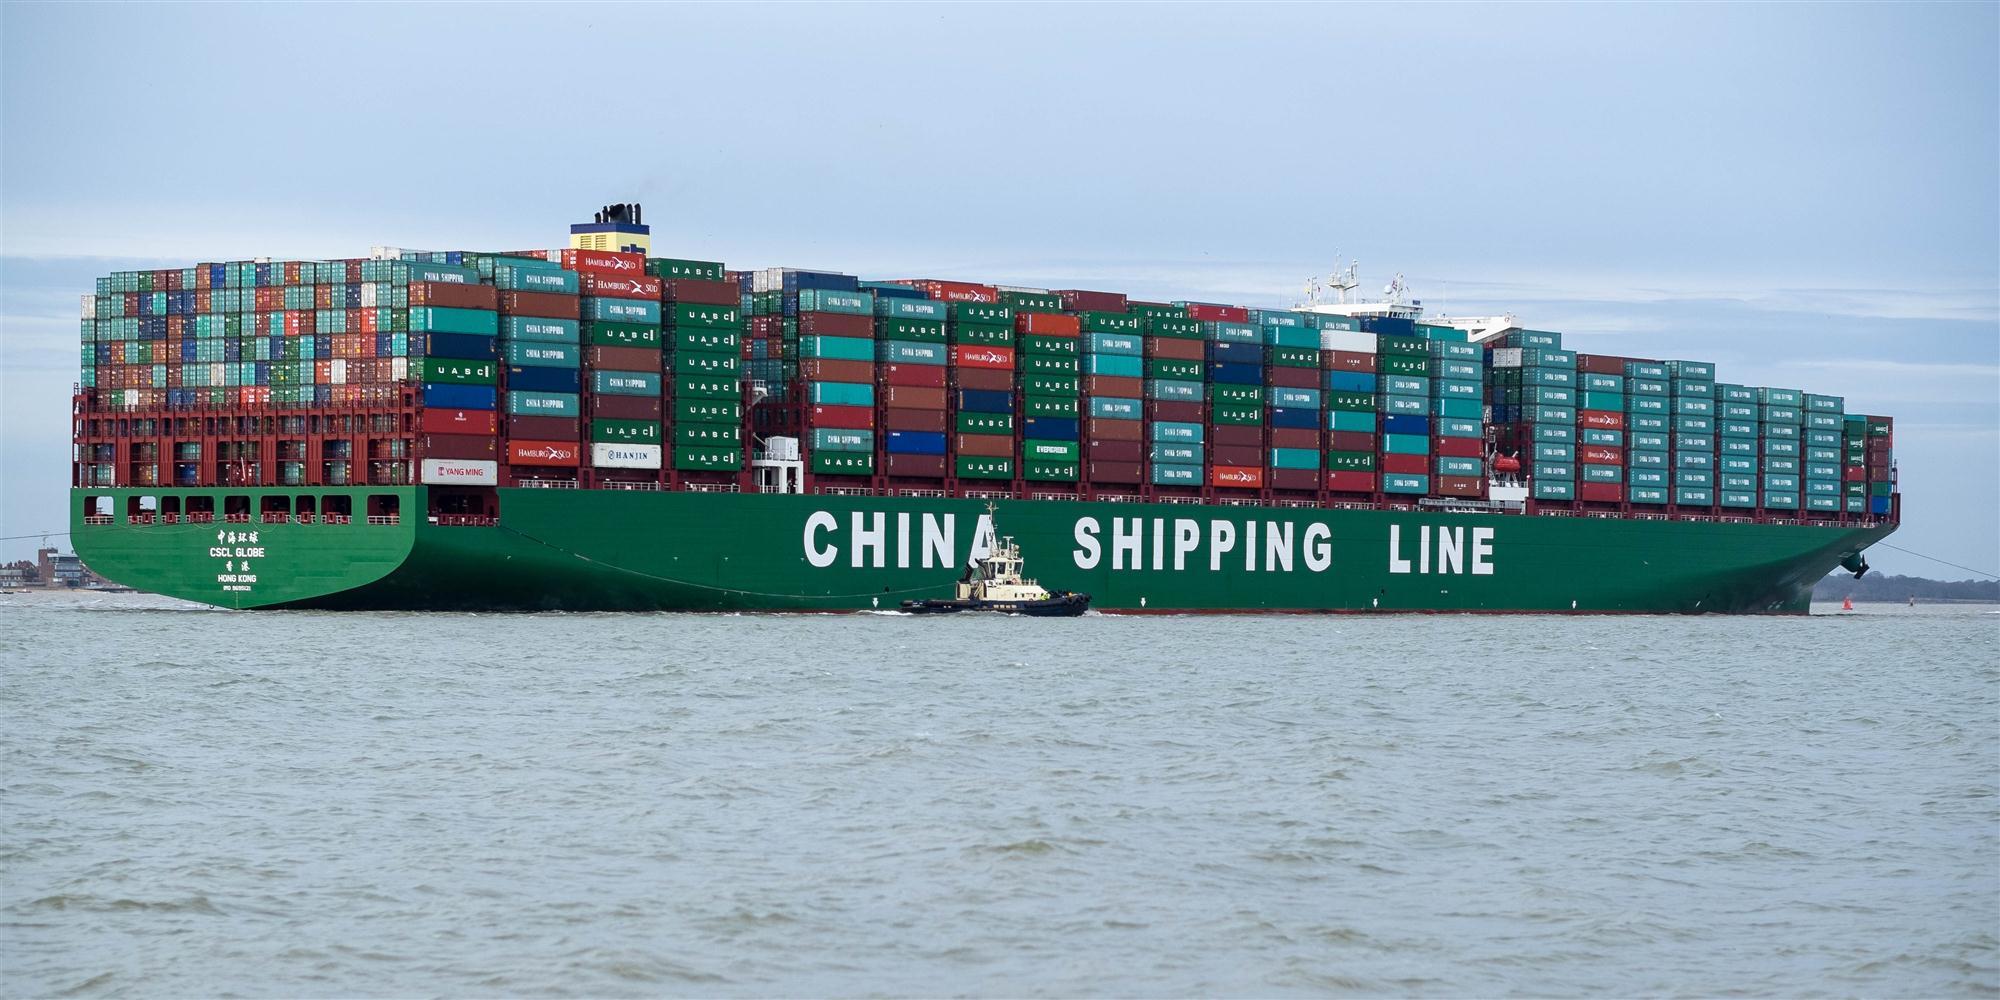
x=1175 y=349
x=1209 y=313
x=822 y=324
x=1349 y=361
x=845 y=418
x=988 y=379
x=1602 y=364
x=1597 y=454
x=918 y=376
x=1117 y=472
x=1043 y=324
x=954 y=291
x=1123 y=386
x=912 y=397
x=624 y=359
x=1294 y=479
x=1603 y=420
x=1249 y=477
x=1348 y=481
x=1106 y=429
x=982 y=356
x=547 y=305
x=1405 y=465
x=625 y=407
x=1177 y=411
x=917 y=466
x=1462 y=486
x=1236 y=434
x=1456 y=447
x=458 y=422
x=1236 y=454
x=544 y=428
x=1080 y=300
x=1293 y=378
x=436 y=293
x=605 y=261
x=696 y=291
x=1294 y=437
x=1107 y=450
x=934 y=421
x=985 y=445
x=471 y=447
x=835 y=370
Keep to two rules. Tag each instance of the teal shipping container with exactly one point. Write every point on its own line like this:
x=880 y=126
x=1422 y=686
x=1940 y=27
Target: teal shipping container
x=553 y=331
x=444 y=319
x=615 y=383
x=543 y=404
x=1406 y=444
x=542 y=355
x=841 y=393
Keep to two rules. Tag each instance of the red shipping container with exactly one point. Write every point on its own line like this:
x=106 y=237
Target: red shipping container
x=1457 y=447
x=767 y=327
x=1206 y=313
x=918 y=466
x=1104 y=450
x=696 y=291
x=605 y=261
x=1117 y=472
x=624 y=359
x=954 y=291
x=435 y=293
x=1293 y=378
x=1603 y=420
x=463 y=447
x=1347 y=361
x=625 y=407
x=1174 y=349
x=1351 y=482
x=1597 y=454
x=1107 y=429
x=833 y=370
x=819 y=324
x=1295 y=479
x=1122 y=386
x=920 y=376
x=626 y=286
x=1294 y=437
x=982 y=356
x=1350 y=441
x=985 y=445
x=988 y=379
x=1461 y=486
x=1405 y=465
x=542 y=452
x=547 y=305
x=1856 y=474
x=544 y=428
x=847 y=418
x=1175 y=411
x=1240 y=476
x=1079 y=300
x=1601 y=492
x=912 y=397
x=934 y=421
x=1236 y=434
x=1236 y=454
x=1601 y=364
x=1048 y=324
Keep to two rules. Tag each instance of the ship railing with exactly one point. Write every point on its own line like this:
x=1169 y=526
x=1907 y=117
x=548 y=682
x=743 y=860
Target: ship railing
x=1186 y=500
x=277 y=518
x=303 y=518
x=1556 y=513
x=170 y=518
x=712 y=488
x=932 y=494
x=1349 y=505
x=203 y=517
x=1116 y=498
x=615 y=485
x=1787 y=520
x=336 y=519
x=1298 y=503
x=988 y=495
x=1239 y=502
x=1052 y=496
x=546 y=484
x=99 y=519
x=236 y=518
x=1649 y=517
x=463 y=520
x=385 y=519
x=1733 y=519
x=139 y=519
x=1701 y=518
x=846 y=491
x=1604 y=515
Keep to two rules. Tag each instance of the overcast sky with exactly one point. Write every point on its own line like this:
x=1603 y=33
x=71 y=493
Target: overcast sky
x=1808 y=195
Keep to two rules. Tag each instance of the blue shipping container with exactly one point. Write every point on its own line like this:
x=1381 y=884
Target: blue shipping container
x=439 y=396
x=916 y=442
x=544 y=378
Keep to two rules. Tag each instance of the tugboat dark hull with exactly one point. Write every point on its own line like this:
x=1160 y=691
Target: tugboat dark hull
x=1059 y=606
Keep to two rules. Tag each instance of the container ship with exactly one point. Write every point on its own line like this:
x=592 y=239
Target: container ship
x=595 y=428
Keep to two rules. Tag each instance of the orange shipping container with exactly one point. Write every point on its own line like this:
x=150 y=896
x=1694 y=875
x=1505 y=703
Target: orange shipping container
x=986 y=445
x=1174 y=349
x=982 y=356
x=561 y=453
x=913 y=397
x=1048 y=324
x=1239 y=476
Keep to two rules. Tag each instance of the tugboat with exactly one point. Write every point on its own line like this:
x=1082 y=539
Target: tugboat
x=993 y=582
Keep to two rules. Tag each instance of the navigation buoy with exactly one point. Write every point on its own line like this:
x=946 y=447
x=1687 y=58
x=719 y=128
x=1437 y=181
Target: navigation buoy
x=1847 y=604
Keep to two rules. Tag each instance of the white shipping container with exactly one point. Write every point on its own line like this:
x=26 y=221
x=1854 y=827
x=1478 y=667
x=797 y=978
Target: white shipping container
x=399 y=369
x=1506 y=357
x=339 y=376
x=625 y=456
x=368 y=294
x=90 y=307
x=454 y=470
x=1347 y=340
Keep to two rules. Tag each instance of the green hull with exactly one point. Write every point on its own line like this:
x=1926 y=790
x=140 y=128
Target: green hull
x=640 y=551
